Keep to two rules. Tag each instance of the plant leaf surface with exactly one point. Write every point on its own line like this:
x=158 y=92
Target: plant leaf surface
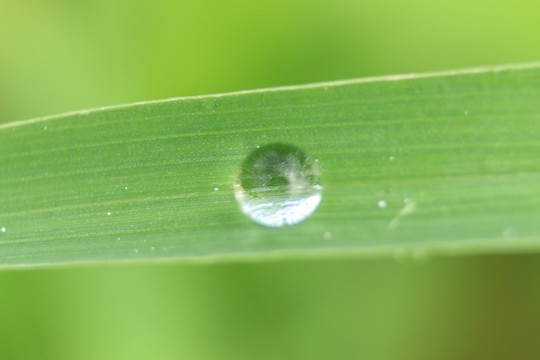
x=444 y=163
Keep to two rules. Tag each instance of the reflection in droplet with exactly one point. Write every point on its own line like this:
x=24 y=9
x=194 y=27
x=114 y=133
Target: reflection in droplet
x=278 y=185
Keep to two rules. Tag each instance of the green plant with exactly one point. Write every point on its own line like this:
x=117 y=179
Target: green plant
x=410 y=165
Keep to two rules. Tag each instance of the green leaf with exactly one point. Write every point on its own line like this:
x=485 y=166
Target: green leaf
x=444 y=163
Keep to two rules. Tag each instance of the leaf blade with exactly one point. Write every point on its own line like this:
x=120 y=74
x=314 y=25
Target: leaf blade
x=453 y=155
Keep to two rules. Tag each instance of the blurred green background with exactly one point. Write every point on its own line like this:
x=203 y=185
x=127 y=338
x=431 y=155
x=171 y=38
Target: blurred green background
x=61 y=55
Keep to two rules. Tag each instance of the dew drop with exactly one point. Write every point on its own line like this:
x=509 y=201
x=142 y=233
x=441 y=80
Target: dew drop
x=278 y=185
x=3 y=229
x=382 y=204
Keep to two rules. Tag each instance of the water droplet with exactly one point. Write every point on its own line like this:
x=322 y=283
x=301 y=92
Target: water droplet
x=216 y=189
x=278 y=185
x=391 y=158
x=382 y=204
x=108 y=214
x=3 y=229
x=125 y=188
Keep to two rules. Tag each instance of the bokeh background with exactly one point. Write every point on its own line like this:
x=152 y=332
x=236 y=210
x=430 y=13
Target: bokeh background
x=64 y=55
